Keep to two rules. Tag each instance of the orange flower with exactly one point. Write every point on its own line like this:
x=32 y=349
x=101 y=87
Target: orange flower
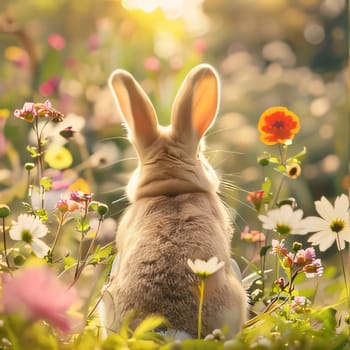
x=278 y=125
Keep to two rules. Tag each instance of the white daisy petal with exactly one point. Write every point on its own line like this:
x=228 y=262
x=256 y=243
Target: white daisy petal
x=325 y=209
x=341 y=206
x=314 y=223
x=323 y=239
x=40 y=249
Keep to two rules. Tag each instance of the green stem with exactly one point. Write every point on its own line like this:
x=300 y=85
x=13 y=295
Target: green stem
x=200 y=307
x=60 y=224
x=5 y=245
x=80 y=269
x=344 y=272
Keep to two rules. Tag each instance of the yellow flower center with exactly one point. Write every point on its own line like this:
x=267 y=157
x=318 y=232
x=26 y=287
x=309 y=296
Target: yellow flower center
x=27 y=236
x=337 y=225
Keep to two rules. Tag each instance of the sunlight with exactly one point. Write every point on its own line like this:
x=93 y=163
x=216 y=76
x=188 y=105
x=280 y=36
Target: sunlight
x=171 y=8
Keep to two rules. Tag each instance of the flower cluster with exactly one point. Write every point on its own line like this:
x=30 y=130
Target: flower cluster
x=31 y=110
x=303 y=260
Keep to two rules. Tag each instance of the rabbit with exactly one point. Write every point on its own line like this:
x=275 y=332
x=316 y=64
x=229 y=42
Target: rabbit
x=175 y=214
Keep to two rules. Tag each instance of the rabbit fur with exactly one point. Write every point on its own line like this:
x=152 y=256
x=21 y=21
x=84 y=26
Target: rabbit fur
x=174 y=215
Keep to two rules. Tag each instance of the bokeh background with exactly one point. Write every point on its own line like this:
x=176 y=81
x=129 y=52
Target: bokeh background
x=267 y=52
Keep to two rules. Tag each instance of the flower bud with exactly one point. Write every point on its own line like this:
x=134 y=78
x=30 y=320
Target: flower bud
x=4 y=211
x=297 y=246
x=102 y=209
x=29 y=166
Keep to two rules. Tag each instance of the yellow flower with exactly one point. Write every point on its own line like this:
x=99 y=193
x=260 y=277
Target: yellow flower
x=80 y=185
x=58 y=157
x=4 y=113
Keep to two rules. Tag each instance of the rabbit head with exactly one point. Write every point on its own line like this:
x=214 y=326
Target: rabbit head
x=170 y=161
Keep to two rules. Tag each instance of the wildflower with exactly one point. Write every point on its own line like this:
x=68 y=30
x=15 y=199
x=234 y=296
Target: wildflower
x=32 y=110
x=27 y=113
x=152 y=64
x=58 y=157
x=56 y=41
x=252 y=235
x=65 y=204
x=313 y=269
x=333 y=225
x=256 y=198
x=29 y=229
x=299 y=305
x=80 y=185
x=284 y=221
x=293 y=170
x=18 y=56
x=81 y=197
x=205 y=268
x=49 y=86
x=278 y=247
x=37 y=294
x=306 y=256
x=278 y=125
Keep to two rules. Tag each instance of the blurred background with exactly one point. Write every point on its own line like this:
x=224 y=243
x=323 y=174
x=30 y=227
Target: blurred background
x=267 y=52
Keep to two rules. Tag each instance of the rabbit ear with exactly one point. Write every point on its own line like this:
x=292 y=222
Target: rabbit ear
x=135 y=107
x=196 y=103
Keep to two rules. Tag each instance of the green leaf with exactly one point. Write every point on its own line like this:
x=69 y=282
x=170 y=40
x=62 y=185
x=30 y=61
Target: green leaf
x=149 y=324
x=33 y=151
x=275 y=160
x=69 y=262
x=83 y=225
x=42 y=213
x=281 y=169
x=264 y=250
x=46 y=183
x=296 y=158
x=266 y=187
x=139 y=344
x=100 y=253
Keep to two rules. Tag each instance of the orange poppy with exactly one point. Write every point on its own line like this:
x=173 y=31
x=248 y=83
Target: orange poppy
x=278 y=125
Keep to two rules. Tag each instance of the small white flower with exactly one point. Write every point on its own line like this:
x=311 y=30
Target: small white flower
x=205 y=268
x=29 y=229
x=284 y=221
x=333 y=225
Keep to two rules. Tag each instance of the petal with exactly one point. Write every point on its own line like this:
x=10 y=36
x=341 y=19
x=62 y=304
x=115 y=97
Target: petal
x=268 y=224
x=323 y=239
x=341 y=242
x=325 y=209
x=341 y=206
x=40 y=249
x=314 y=223
x=345 y=234
x=15 y=232
x=191 y=265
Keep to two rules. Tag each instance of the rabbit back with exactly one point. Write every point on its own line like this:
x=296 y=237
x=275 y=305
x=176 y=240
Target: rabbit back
x=155 y=239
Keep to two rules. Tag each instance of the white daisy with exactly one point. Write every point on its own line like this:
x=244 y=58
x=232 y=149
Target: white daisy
x=333 y=225
x=29 y=229
x=205 y=268
x=284 y=221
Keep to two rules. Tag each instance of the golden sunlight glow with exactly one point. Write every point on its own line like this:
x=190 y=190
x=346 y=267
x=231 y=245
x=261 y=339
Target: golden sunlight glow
x=171 y=8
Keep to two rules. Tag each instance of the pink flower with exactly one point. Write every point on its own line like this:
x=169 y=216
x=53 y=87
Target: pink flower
x=252 y=235
x=50 y=86
x=152 y=64
x=56 y=41
x=313 y=269
x=37 y=294
x=94 y=42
